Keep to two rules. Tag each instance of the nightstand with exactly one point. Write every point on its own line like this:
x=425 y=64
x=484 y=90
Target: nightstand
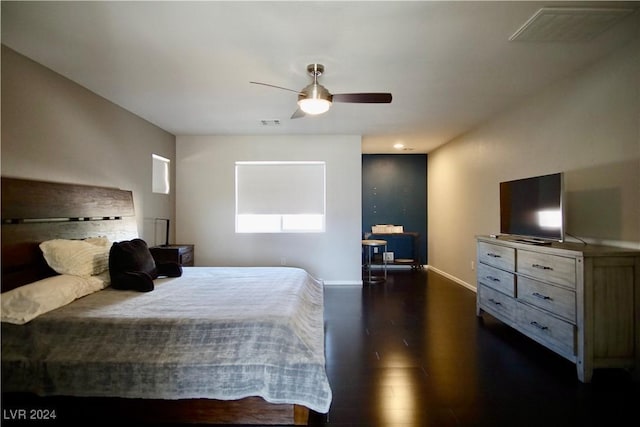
x=181 y=254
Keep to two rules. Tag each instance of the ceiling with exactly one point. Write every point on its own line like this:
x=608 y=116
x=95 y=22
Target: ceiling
x=186 y=66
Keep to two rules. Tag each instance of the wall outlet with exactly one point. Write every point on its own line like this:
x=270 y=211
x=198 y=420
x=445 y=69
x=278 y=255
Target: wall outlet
x=473 y=265
x=375 y=250
x=387 y=256
x=283 y=261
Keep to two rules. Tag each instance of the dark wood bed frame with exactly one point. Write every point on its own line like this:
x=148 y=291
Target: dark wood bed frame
x=34 y=211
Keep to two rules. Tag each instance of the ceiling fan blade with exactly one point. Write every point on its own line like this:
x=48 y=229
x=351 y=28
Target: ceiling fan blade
x=377 y=98
x=298 y=113
x=277 y=87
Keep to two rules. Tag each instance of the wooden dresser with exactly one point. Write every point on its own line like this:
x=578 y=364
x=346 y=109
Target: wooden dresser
x=581 y=301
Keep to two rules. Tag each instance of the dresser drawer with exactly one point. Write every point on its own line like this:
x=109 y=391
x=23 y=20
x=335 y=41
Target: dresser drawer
x=497 y=256
x=497 y=303
x=497 y=279
x=556 y=332
x=559 y=301
x=550 y=268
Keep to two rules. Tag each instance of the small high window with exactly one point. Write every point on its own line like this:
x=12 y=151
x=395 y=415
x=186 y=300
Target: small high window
x=160 y=174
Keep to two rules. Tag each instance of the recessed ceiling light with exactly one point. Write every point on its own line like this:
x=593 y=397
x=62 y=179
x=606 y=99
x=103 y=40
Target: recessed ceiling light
x=398 y=146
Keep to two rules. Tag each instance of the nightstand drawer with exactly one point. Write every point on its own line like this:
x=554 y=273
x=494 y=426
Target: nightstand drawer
x=181 y=254
x=186 y=257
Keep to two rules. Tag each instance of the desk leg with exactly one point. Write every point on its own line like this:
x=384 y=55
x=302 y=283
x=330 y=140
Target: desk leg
x=369 y=277
x=384 y=262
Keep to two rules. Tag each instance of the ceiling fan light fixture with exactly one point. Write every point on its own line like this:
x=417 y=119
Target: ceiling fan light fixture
x=315 y=99
x=314 y=106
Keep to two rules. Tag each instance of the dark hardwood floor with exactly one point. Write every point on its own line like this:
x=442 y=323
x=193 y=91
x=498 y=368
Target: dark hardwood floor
x=411 y=352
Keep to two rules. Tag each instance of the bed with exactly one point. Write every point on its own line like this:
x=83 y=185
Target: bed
x=215 y=345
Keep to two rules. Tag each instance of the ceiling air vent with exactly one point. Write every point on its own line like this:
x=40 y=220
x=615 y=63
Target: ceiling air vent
x=567 y=24
x=274 y=122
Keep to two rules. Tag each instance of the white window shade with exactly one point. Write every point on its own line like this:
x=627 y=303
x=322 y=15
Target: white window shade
x=289 y=194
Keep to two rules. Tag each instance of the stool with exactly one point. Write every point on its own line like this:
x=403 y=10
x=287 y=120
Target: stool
x=368 y=248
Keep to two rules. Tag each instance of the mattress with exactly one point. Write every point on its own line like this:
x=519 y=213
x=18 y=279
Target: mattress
x=215 y=332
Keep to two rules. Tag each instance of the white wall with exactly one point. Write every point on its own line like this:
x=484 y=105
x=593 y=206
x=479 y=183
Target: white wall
x=587 y=125
x=55 y=130
x=205 y=204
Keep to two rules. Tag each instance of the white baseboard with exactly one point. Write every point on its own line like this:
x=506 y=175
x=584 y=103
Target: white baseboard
x=452 y=278
x=342 y=282
x=427 y=267
x=394 y=267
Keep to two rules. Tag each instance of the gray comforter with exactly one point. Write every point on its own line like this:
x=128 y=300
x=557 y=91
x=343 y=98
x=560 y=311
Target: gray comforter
x=216 y=332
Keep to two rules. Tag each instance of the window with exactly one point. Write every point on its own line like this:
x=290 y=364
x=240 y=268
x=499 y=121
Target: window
x=280 y=197
x=160 y=174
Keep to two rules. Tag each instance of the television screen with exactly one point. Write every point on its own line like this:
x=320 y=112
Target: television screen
x=533 y=207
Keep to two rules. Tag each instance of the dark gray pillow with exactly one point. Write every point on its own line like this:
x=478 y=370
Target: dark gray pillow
x=131 y=266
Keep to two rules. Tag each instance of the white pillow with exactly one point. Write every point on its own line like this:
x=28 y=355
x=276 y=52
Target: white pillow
x=20 y=305
x=99 y=281
x=77 y=257
x=99 y=241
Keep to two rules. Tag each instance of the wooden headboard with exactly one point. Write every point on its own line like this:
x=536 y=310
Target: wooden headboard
x=35 y=211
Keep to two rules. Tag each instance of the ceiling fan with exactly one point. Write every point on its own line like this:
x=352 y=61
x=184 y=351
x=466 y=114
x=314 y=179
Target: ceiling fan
x=315 y=99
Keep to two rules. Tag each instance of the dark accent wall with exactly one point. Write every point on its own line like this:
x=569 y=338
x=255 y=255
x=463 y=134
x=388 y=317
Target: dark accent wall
x=394 y=191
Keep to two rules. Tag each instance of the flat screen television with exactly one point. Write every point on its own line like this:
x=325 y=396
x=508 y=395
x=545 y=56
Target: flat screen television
x=532 y=208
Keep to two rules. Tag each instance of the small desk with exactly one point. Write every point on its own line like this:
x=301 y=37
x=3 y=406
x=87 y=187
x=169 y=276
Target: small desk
x=368 y=246
x=415 y=261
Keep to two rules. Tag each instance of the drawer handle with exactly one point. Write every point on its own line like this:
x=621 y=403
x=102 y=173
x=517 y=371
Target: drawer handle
x=536 y=294
x=492 y=255
x=541 y=267
x=493 y=279
x=494 y=301
x=539 y=326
